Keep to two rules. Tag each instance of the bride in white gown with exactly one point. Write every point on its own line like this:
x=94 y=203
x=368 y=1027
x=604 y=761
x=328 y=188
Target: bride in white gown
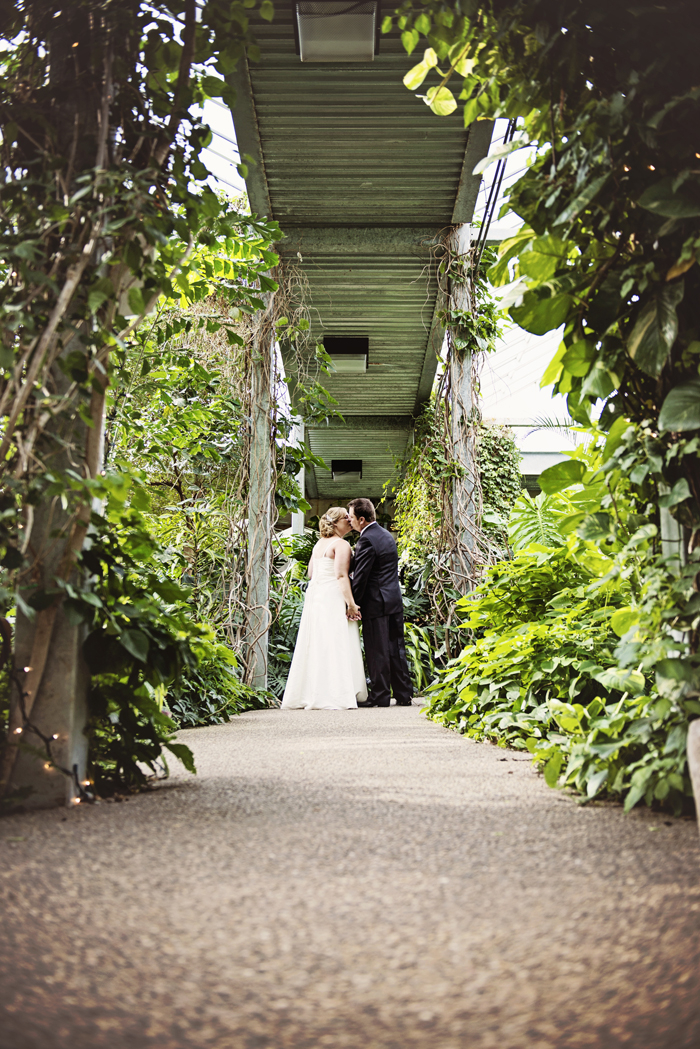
x=327 y=671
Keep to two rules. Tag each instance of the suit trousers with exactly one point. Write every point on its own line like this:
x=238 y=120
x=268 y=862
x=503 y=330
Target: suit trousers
x=386 y=659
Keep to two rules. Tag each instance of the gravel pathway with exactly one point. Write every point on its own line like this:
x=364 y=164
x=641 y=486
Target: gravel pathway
x=359 y=880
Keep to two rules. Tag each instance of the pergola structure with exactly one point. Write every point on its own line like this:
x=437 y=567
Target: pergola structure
x=365 y=181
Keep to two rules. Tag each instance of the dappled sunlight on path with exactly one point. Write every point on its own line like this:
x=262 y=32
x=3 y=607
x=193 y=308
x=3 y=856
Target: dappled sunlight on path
x=350 y=879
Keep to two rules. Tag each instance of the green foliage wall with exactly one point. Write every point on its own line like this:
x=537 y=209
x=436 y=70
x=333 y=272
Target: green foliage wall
x=501 y=480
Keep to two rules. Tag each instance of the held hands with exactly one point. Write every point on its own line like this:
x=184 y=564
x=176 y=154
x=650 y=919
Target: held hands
x=353 y=613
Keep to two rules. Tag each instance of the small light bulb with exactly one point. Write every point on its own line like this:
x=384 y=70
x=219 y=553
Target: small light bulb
x=626 y=167
x=697 y=155
x=76 y=801
x=27 y=670
x=86 y=782
x=651 y=167
x=47 y=765
x=18 y=731
x=55 y=735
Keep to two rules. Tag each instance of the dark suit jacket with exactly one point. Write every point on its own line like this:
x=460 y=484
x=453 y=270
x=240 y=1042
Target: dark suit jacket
x=375 y=579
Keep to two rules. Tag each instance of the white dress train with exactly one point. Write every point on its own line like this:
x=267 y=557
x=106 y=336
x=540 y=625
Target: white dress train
x=326 y=671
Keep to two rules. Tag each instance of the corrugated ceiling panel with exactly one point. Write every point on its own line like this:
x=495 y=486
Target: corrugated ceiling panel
x=347 y=144
x=378 y=450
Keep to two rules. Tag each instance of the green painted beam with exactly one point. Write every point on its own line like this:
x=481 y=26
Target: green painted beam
x=432 y=354
x=478 y=144
x=364 y=422
x=245 y=121
x=414 y=241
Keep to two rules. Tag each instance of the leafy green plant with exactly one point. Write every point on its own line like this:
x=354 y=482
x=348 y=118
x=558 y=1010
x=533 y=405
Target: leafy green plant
x=212 y=692
x=610 y=204
x=283 y=635
x=499 y=462
x=536 y=520
x=420 y=655
x=575 y=650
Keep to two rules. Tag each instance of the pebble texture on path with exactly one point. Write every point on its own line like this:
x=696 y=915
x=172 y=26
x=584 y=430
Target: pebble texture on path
x=352 y=880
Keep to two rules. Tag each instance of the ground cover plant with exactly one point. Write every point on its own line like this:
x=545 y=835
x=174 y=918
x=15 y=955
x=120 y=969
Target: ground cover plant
x=573 y=647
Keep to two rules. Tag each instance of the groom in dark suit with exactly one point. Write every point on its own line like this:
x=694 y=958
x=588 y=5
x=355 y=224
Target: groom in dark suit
x=376 y=589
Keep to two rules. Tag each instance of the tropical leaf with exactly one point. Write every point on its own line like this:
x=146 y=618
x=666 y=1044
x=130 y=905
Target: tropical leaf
x=535 y=521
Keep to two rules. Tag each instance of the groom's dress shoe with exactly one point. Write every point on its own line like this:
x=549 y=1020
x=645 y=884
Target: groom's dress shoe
x=404 y=702
x=371 y=703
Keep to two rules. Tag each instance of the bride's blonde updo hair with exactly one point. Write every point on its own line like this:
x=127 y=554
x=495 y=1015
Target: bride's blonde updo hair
x=327 y=523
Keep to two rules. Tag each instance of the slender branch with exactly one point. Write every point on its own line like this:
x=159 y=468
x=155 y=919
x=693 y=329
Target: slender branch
x=165 y=139
x=44 y=345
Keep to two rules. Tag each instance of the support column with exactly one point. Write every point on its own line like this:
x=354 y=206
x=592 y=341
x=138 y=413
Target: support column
x=49 y=667
x=299 y=519
x=465 y=508
x=259 y=508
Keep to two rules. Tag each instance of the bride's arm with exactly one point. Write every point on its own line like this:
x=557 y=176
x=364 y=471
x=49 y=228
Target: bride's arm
x=343 y=553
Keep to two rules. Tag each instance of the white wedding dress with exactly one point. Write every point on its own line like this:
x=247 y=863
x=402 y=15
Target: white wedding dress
x=327 y=671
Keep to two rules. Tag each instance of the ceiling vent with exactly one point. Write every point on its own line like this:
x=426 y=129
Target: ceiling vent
x=349 y=354
x=346 y=469
x=336 y=30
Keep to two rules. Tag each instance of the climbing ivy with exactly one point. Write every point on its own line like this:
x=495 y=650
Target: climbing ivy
x=499 y=462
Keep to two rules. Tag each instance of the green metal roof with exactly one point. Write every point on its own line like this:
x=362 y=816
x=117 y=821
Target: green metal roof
x=362 y=178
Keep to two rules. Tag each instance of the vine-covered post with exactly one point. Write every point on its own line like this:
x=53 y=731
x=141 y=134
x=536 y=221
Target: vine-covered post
x=465 y=500
x=259 y=502
x=299 y=518
x=48 y=711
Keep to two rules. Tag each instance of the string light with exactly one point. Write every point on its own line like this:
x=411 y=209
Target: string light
x=81 y=786
x=651 y=167
x=27 y=670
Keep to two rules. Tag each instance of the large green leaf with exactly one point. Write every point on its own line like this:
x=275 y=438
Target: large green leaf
x=184 y=754
x=614 y=439
x=599 y=382
x=655 y=331
x=499 y=273
x=541 y=260
x=678 y=494
x=676 y=669
x=441 y=101
x=562 y=475
x=499 y=152
x=554 y=368
x=663 y=199
x=595 y=527
x=631 y=681
x=553 y=768
x=581 y=201
x=539 y=316
x=681 y=409
x=577 y=360
x=136 y=643
x=415 y=77
x=623 y=620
